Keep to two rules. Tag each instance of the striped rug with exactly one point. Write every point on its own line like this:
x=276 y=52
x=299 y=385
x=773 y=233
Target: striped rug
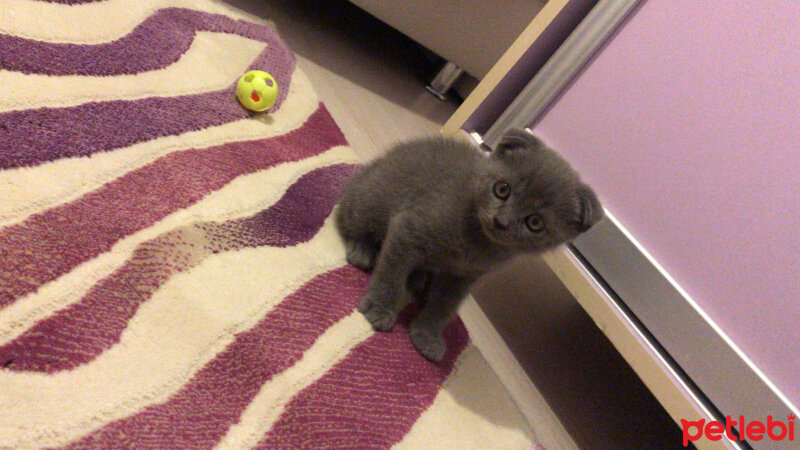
x=169 y=273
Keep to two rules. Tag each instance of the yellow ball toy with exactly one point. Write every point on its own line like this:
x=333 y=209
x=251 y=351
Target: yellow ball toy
x=257 y=90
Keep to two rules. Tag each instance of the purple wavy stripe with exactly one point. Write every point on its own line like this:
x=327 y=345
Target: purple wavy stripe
x=50 y=244
x=154 y=44
x=64 y=341
x=36 y=136
x=371 y=399
x=200 y=413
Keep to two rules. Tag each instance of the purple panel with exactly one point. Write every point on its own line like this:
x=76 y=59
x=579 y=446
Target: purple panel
x=687 y=124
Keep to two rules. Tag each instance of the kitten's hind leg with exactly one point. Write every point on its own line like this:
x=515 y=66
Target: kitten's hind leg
x=442 y=296
x=388 y=283
x=361 y=254
x=416 y=285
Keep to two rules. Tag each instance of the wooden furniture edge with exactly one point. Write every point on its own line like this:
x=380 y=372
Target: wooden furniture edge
x=529 y=35
x=648 y=367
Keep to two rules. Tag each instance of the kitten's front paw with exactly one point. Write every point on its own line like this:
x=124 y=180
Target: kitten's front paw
x=427 y=342
x=360 y=256
x=381 y=318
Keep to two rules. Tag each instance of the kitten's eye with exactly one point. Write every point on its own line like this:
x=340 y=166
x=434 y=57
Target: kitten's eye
x=501 y=190
x=535 y=223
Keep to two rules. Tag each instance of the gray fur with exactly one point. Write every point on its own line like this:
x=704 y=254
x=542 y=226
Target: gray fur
x=426 y=220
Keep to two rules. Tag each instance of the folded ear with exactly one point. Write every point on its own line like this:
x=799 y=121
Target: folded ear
x=517 y=139
x=591 y=211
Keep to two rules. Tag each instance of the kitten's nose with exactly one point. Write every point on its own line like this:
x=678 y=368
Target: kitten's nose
x=499 y=224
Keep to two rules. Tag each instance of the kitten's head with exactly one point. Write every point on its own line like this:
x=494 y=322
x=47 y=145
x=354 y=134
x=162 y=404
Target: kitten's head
x=531 y=199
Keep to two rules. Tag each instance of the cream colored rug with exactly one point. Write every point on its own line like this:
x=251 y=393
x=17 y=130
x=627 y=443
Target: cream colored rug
x=170 y=274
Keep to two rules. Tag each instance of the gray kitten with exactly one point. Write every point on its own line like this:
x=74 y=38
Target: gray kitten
x=434 y=214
